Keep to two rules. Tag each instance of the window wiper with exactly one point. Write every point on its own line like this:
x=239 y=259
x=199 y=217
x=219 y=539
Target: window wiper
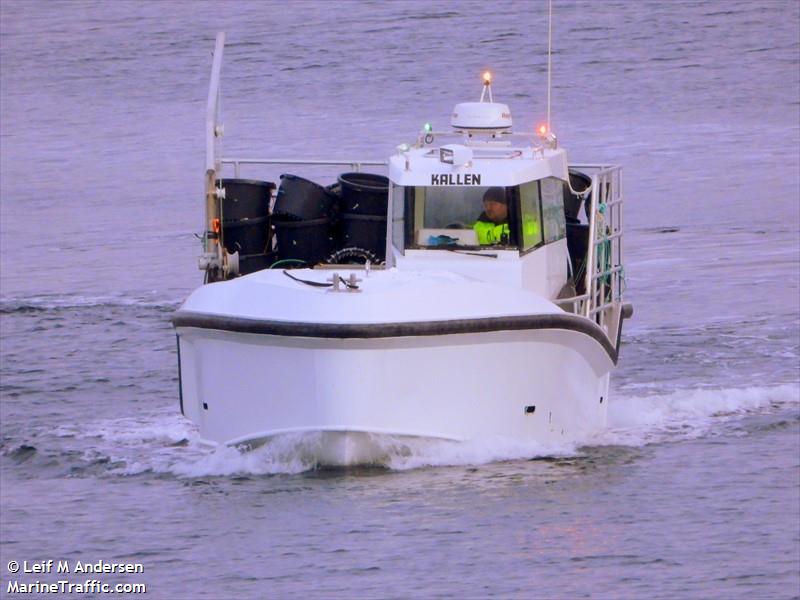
x=492 y=255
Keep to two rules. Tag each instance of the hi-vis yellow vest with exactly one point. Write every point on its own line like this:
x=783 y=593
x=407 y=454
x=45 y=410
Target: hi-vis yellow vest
x=490 y=233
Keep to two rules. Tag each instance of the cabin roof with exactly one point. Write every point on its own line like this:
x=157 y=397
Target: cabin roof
x=490 y=165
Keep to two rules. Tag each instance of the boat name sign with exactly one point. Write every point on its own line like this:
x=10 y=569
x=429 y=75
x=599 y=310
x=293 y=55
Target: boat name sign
x=455 y=179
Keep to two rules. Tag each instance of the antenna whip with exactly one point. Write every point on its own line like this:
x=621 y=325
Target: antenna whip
x=549 y=59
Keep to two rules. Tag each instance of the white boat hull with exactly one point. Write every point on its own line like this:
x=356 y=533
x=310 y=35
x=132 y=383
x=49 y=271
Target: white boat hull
x=543 y=385
x=448 y=339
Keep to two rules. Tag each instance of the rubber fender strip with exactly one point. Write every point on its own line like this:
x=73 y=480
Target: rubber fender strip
x=561 y=321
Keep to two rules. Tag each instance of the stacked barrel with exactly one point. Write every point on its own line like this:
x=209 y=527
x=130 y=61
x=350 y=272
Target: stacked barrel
x=365 y=200
x=246 y=222
x=303 y=219
x=312 y=222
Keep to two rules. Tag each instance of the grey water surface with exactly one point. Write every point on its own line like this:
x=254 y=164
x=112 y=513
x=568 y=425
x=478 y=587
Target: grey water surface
x=694 y=492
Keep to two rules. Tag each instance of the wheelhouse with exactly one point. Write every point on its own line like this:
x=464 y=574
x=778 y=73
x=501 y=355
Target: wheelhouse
x=444 y=217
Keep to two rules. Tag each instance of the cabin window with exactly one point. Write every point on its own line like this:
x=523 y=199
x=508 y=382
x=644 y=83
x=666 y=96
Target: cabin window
x=445 y=216
x=552 y=191
x=531 y=215
x=451 y=207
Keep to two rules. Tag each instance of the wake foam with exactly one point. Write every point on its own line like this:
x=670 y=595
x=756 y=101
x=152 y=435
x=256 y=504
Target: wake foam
x=687 y=414
x=441 y=453
x=55 y=302
x=169 y=444
x=288 y=454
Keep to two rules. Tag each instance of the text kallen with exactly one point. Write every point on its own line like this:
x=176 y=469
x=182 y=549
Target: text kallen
x=457 y=179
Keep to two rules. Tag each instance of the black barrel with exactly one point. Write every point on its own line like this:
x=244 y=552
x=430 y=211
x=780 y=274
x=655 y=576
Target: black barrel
x=310 y=241
x=303 y=220
x=365 y=201
x=364 y=193
x=245 y=220
x=250 y=263
x=572 y=202
x=303 y=200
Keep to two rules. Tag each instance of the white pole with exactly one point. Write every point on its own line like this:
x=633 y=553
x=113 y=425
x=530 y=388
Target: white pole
x=212 y=105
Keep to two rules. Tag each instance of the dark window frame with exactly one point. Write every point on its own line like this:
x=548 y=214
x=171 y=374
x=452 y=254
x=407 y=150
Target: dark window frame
x=513 y=194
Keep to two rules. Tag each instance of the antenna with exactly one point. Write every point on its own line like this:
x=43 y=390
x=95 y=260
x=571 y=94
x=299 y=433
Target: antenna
x=487 y=85
x=549 y=59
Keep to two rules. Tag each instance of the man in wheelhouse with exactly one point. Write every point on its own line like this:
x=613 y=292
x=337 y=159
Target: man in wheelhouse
x=492 y=225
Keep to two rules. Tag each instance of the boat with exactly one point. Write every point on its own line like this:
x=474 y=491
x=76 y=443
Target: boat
x=391 y=307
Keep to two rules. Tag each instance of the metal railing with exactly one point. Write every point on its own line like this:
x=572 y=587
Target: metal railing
x=574 y=304
x=355 y=165
x=604 y=278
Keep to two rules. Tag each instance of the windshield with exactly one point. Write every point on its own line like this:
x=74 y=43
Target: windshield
x=461 y=216
x=522 y=217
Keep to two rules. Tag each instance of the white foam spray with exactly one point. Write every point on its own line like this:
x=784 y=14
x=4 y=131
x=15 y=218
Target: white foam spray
x=168 y=443
x=691 y=413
